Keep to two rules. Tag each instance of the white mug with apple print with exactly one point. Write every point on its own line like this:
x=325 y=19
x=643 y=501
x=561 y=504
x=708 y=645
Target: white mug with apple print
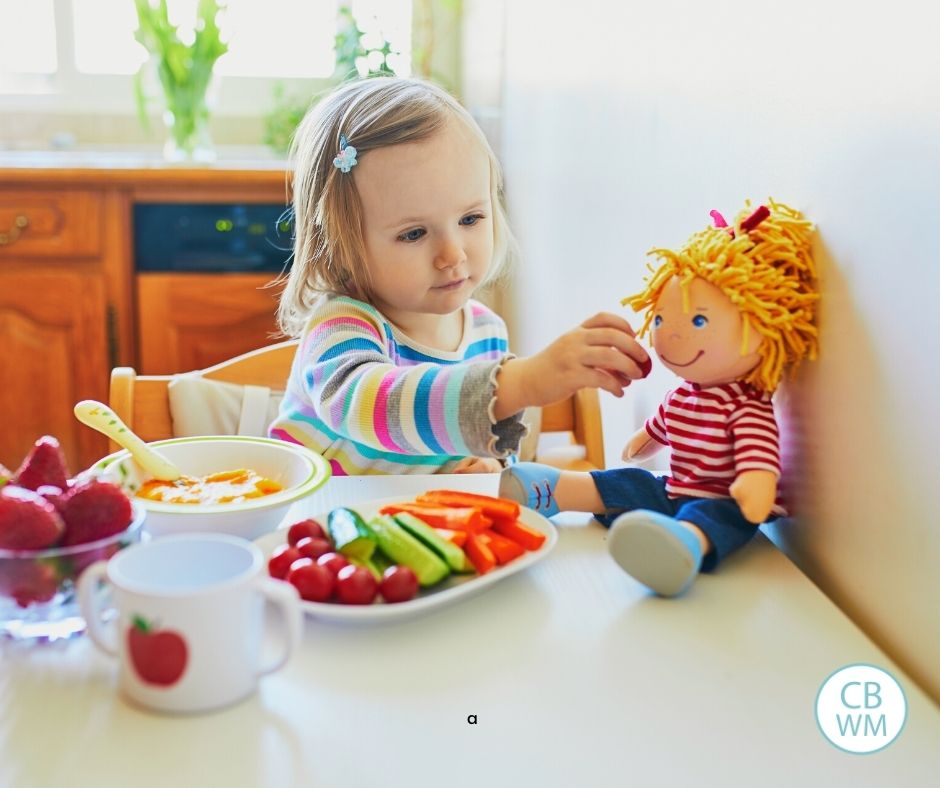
x=190 y=619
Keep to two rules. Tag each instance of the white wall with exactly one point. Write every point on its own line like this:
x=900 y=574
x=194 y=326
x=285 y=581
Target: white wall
x=625 y=123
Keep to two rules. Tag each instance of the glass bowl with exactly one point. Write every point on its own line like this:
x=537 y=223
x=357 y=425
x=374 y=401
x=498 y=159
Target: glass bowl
x=38 y=600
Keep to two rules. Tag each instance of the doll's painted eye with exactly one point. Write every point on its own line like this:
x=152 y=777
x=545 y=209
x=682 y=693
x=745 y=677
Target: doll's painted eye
x=700 y=321
x=657 y=321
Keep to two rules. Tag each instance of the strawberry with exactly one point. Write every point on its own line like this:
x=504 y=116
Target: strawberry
x=94 y=510
x=27 y=520
x=45 y=464
x=54 y=495
x=27 y=582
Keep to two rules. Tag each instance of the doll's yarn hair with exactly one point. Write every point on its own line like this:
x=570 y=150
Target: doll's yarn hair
x=767 y=272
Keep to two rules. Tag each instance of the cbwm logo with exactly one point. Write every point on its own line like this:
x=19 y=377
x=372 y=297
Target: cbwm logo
x=861 y=709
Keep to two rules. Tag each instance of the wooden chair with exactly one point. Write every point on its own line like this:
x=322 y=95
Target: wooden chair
x=142 y=401
x=580 y=417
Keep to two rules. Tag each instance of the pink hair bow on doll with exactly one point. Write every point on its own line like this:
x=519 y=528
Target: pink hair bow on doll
x=747 y=224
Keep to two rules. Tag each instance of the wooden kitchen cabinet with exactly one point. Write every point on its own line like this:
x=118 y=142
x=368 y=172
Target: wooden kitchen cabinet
x=55 y=353
x=191 y=321
x=72 y=305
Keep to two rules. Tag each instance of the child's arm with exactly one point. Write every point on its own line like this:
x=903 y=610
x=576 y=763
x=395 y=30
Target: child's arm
x=358 y=391
x=600 y=353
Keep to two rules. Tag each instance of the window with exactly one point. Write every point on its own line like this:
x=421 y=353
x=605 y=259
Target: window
x=80 y=55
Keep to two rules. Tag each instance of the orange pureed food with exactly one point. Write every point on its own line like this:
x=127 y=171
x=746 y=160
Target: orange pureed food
x=224 y=487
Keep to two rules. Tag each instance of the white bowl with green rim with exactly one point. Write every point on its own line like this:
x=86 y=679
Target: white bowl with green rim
x=297 y=469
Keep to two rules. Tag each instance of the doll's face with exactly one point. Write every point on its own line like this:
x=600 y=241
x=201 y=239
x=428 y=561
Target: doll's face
x=702 y=345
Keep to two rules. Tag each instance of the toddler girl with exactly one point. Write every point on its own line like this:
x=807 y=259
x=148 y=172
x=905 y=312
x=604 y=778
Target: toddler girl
x=398 y=219
x=729 y=312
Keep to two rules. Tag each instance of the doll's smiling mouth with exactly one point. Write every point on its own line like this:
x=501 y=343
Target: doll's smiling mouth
x=687 y=364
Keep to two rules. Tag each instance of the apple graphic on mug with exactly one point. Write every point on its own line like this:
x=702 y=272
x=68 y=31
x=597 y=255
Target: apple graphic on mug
x=158 y=655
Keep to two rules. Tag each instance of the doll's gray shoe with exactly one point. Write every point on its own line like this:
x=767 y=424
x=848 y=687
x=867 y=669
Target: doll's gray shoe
x=655 y=550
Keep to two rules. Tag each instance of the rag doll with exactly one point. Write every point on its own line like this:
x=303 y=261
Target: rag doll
x=730 y=313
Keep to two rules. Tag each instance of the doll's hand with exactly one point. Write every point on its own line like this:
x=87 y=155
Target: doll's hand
x=755 y=492
x=477 y=465
x=600 y=353
x=640 y=446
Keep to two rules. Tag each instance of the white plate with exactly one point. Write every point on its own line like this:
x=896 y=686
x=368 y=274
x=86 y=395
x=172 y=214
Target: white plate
x=452 y=589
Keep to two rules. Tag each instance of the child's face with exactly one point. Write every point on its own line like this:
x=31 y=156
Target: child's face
x=702 y=345
x=428 y=222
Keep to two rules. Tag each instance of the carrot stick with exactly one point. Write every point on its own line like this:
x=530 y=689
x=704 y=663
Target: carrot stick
x=504 y=549
x=458 y=538
x=479 y=554
x=528 y=537
x=464 y=519
x=494 y=508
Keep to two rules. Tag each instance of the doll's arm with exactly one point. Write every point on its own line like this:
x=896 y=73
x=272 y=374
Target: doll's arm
x=640 y=446
x=755 y=492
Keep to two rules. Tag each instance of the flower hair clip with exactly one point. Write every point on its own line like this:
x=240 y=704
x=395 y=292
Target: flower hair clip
x=346 y=159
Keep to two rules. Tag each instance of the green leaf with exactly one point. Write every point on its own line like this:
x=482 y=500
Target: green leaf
x=139 y=622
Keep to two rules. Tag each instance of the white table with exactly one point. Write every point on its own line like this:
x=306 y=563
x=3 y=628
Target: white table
x=573 y=671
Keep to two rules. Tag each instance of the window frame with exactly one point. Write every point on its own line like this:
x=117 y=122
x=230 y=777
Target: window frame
x=69 y=91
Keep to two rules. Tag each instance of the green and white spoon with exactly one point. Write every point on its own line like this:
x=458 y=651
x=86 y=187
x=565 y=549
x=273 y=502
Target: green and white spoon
x=100 y=417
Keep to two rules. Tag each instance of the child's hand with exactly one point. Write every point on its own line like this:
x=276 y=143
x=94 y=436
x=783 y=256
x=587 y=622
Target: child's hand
x=600 y=353
x=477 y=465
x=755 y=492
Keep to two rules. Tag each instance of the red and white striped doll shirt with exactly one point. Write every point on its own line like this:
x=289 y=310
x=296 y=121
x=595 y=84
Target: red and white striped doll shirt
x=716 y=433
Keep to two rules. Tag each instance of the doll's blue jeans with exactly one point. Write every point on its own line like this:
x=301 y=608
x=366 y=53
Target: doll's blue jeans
x=626 y=489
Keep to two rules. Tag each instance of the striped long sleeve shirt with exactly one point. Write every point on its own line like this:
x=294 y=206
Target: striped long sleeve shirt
x=371 y=400
x=715 y=434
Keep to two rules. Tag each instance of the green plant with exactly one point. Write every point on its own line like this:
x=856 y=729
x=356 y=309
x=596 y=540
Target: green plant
x=350 y=49
x=280 y=122
x=288 y=111
x=184 y=70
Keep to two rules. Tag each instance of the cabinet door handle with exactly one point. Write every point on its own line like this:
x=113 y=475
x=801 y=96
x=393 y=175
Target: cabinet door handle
x=20 y=223
x=111 y=325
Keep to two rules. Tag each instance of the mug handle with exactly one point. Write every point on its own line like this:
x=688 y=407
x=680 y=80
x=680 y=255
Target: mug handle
x=87 y=588
x=285 y=596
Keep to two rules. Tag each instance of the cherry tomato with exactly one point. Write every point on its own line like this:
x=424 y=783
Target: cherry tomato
x=312 y=581
x=399 y=584
x=313 y=547
x=356 y=585
x=302 y=530
x=281 y=559
x=333 y=561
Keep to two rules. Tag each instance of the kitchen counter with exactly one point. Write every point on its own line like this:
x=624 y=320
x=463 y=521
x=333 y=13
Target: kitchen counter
x=135 y=166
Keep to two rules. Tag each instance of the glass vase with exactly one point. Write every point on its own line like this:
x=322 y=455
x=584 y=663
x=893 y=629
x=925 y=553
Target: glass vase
x=188 y=138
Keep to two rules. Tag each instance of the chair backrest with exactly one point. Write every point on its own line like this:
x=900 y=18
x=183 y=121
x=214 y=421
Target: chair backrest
x=579 y=415
x=142 y=401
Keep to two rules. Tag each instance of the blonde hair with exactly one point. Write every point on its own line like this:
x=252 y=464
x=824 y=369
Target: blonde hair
x=329 y=248
x=766 y=270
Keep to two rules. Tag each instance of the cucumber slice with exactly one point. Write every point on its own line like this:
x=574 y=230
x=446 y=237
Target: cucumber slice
x=455 y=557
x=404 y=549
x=371 y=564
x=350 y=534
